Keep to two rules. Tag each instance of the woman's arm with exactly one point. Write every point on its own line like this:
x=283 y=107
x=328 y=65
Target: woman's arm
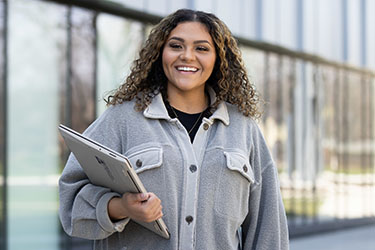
x=265 y=226
x=83 y=206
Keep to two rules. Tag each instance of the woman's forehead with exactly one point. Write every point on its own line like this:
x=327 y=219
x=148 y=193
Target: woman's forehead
x=191 y=30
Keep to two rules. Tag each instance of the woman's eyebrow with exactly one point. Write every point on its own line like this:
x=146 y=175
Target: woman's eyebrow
x=202 y=41
x=177 y=38
x=183 y=40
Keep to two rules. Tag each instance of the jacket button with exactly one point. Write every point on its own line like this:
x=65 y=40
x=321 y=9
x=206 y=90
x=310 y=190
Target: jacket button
x=189 y=219
x=205 y=126
x=138 y=163
x=245 y=168
x=193 y=168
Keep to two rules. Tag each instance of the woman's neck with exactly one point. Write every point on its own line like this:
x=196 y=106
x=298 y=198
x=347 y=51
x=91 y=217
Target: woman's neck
x=190 y=103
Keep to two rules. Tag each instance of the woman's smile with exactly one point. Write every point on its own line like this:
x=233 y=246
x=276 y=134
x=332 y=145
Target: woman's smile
x=187 y=69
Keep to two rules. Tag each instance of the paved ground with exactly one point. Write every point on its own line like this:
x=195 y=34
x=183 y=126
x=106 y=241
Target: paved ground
x=361 y=238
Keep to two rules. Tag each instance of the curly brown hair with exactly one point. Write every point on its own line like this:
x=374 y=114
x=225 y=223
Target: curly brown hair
x=228 y=79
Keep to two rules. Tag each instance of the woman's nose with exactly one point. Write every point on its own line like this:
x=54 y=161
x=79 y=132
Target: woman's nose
x=187 y=55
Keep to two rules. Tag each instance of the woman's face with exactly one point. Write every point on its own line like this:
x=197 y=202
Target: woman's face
x=188 y=58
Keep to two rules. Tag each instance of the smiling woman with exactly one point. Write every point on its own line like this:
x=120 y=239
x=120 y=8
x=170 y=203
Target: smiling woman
x=188 y=61
x=214 y=183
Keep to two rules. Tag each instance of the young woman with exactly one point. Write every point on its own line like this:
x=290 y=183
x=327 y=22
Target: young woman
x=185 y=119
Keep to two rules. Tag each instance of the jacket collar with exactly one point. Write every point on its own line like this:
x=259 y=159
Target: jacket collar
x=221 y=113
x=157 y=109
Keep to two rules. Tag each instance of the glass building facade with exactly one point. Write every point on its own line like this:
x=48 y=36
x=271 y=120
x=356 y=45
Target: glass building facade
x=58 y=61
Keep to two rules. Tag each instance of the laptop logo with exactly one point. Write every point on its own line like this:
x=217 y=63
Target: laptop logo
x=109 y=173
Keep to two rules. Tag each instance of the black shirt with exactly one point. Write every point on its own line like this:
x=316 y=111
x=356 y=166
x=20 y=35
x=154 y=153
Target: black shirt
x=191 y=122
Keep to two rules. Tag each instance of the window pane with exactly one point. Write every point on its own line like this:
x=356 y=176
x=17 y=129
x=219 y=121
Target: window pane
x=82 y=78
x=118 y=44
x=37 y=44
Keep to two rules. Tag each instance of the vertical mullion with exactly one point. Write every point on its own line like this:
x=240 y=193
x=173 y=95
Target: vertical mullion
x=370 y=179
x=304 y=139
x=280 y=145
x=66 y=98
x=345 y=140
x=3 y=123
x=316 y=106
x=95 y=64
x=344 y=19
x=363 y=136
x=258 y=19
x=68 y=85
x=266 y=92
x=337 y=125
x=363 y=27
x=292 y=139
x=82 y=80
x=372 y=139
x=280 y=110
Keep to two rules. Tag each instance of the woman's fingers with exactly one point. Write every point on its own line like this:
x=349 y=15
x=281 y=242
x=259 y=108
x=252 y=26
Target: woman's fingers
x=143 y=207
x=152 y=208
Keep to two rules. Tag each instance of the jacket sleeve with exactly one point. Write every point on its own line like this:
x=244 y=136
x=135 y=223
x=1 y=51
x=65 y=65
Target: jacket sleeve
x=265 y=227
x=83 y=206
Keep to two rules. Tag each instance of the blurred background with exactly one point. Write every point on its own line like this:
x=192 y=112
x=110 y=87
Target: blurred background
x=313 y=61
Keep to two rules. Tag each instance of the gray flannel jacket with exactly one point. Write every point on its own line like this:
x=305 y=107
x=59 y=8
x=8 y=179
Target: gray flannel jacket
x=219 y=192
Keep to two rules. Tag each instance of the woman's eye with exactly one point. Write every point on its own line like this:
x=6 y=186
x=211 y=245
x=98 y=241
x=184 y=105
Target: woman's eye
x=175 y=46
x=202 y=48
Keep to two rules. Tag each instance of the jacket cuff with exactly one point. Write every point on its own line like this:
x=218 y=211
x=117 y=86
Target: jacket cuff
x=103 y=217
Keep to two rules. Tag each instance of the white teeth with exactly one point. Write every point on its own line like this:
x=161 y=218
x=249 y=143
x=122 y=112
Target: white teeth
x=187 y=69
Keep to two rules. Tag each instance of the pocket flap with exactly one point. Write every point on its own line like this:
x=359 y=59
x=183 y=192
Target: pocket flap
x=238 y=162
x=147 y=158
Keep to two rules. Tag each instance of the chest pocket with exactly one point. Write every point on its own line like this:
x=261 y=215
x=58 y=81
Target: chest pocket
x=146 y=159
x=233 y=187
x=147 y=162
x=238 y=162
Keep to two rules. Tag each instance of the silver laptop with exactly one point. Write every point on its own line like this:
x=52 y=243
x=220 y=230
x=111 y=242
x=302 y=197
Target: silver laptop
x=107 y=168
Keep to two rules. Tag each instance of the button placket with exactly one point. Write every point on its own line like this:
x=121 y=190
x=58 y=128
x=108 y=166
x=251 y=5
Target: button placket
x=188 y=228
x=195 y=155
x=189 y=205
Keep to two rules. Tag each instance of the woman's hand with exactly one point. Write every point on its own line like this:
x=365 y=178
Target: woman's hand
x=138 y=206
